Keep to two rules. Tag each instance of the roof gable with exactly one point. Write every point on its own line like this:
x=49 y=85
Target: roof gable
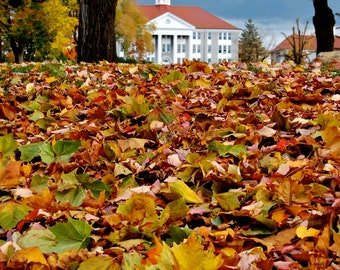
x=310 y=45
x=195 y=16
x=170 y=21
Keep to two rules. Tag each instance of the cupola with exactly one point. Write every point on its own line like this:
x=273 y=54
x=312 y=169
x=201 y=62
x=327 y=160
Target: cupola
x=163 y=2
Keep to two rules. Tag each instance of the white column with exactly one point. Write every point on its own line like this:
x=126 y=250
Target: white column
x=188 y=45
x=174 y=55
x=159 y=49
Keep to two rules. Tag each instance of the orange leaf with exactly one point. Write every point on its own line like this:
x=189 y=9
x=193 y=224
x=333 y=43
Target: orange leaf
x=280 y=216
x=153 y=253
x=10 y=175
x=43 y=201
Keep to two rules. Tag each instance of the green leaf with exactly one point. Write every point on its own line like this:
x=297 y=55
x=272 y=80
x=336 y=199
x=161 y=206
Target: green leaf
x=163 y=115
x=175 y=75
x=71 y=235
x=64 y=149
x=178 y=234
x=12 y=213
x=97 y=187
x=39 y=183
x=30 y=151
x=226 y=150
x=131 y=260
x=176 y=209
x=36 y=116
x=229 y=200
x=75 y=196
x=44 y=239
x=7 y=145
x=46 y=153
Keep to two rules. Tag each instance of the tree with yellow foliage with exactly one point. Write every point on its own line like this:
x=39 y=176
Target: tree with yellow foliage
x=61 y=24
x=132 y=30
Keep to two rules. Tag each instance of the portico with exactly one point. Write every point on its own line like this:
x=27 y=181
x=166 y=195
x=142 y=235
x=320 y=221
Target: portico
x=189 y=32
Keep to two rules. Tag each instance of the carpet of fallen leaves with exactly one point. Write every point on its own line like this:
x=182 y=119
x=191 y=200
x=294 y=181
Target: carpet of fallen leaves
x=191 y=166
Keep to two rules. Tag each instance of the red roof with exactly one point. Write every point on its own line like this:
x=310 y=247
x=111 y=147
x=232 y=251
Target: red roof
x=310 y=45
x=196 y=16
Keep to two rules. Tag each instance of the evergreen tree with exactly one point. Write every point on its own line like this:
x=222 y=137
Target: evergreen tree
x=250 y=45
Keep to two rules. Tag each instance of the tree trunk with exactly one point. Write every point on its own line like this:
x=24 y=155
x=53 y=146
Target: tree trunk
x=97 y=39
x=324 y=22
x=18 y=52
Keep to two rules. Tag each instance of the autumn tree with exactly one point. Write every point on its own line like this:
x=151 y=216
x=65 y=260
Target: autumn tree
x=61 y=25
x=28 y=32
x=3 y=24
x=324 y=22
x=96 y=36
x=250 y=45
x=132 y=29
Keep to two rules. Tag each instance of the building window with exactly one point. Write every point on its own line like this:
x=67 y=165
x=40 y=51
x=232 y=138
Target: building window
x=178 y=48
x=209 y=48
x=198 y=48
x=224 y=48
x=168 y=47
x=194 y=35
x=183 y=48
x=209 y=35
x=225 y=36
x=194 y=48
x=229 y=48
x=163 y=48
x=220 y=49
x=229 y=36
x=209 y=60
x=220 y=35
x=198 y=35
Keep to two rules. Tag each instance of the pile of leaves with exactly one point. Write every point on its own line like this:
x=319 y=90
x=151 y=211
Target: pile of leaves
x=190 y=166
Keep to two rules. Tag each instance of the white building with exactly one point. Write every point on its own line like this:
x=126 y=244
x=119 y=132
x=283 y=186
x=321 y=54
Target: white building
x=188 y=32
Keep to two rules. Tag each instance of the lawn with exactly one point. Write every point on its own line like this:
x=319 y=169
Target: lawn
x=187 y=166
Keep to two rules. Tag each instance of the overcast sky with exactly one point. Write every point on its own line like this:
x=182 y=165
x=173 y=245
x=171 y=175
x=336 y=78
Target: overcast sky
x=271 y=17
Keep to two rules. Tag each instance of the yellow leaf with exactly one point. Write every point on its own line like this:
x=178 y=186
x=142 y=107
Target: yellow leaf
x=50 y=79
x=193 y=251
x=132 y=143
x=303 y=232
x=331 y=136
x=139 y=207
x=180 y=188
x=229 y=252
x=28 y=255
x=222 y=235
x=99 y=263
